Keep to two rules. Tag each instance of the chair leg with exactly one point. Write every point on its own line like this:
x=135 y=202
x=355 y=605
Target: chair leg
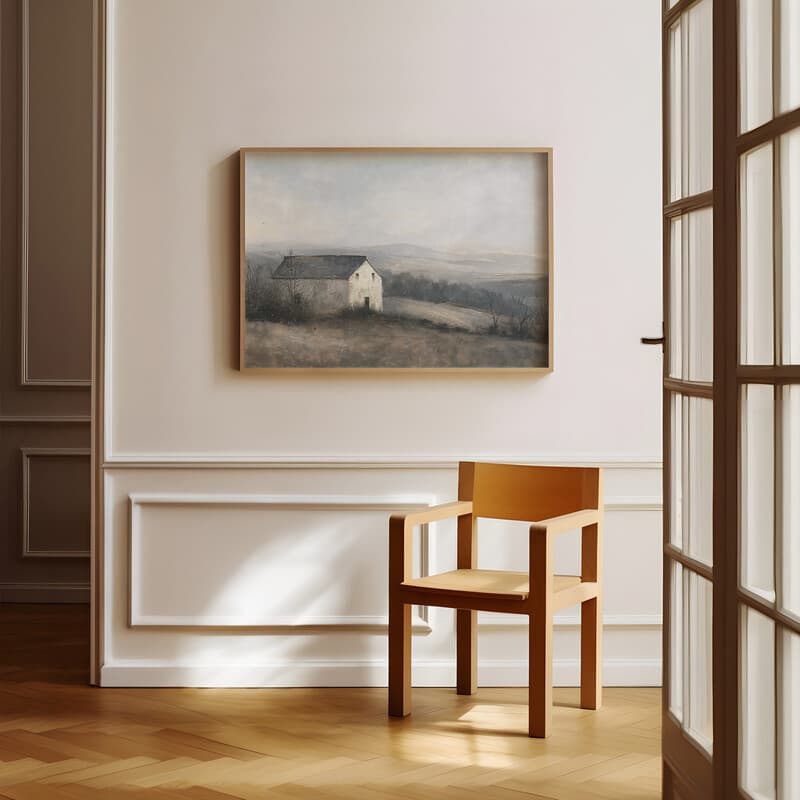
x=591 y=653
x=466 y=652
x=399 y=659
x=540 y=673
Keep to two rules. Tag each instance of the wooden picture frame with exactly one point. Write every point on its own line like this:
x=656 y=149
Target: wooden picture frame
x=333 y=232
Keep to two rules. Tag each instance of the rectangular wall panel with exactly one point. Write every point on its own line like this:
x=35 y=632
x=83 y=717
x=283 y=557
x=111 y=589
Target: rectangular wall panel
x=56 y=192
x=55 y=502
x=245 y=560
x=44 y=467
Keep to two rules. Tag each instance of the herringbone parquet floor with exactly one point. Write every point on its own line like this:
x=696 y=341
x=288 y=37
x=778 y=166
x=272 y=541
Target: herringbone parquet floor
x=62 y=740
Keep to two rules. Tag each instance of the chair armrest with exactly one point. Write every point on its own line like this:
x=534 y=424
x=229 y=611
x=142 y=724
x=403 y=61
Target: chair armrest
x=401 y=528
x=459 y=508
x=567 y=522
x=540 y=551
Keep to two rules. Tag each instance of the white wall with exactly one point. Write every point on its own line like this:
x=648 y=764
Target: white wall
x=192 y=81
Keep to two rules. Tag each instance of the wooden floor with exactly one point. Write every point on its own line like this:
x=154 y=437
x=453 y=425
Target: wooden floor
x=60 y=739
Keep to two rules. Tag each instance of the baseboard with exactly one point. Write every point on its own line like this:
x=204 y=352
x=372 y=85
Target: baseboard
x=566 y=672
x=616 y=672
x=44 y=593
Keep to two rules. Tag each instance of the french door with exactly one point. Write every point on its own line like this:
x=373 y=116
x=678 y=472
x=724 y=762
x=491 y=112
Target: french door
x=732 y=399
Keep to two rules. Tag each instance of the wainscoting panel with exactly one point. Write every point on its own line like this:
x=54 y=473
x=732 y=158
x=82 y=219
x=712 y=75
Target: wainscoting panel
x=45 y=509
x=271 y=575
x=273 y=570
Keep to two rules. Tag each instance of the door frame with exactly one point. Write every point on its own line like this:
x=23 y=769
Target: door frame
x=726 y=470
x=688 y=769
x=99 y=239
x=719 y=776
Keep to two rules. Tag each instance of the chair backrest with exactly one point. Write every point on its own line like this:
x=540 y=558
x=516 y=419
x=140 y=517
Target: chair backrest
x=528 y=493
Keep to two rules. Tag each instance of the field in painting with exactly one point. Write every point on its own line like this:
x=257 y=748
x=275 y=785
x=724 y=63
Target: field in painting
x=439 y=310
x=384 y=340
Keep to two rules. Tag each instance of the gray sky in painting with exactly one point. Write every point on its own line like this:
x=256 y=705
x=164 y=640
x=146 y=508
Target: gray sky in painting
x=453 y=202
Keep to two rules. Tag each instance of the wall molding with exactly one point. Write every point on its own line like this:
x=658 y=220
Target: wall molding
x=278 y=624
x=27 y=454
x=136 y=501
x=25 y=377
x=102 y=189
x=16 y=419
x=367 y=672
x=211 y=461
x=489 y=620
x=44 y=592
x=643 y=503
x=282 y=502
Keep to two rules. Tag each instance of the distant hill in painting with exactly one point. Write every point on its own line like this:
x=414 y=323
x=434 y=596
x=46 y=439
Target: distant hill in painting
x=421 y=260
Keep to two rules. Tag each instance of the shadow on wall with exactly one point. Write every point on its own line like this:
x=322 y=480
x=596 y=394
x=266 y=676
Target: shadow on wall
x=310 y=586
x=223 y=261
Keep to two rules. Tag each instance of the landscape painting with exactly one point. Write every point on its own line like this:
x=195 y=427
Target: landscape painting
x=406 y=259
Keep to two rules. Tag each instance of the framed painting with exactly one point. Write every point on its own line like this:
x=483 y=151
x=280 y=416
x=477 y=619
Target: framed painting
x=396 y=259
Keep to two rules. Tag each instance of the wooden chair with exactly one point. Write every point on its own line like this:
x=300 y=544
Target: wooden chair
x=555 y=500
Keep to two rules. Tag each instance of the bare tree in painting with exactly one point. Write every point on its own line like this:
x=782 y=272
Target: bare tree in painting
x=521 y=318
x=493 y=307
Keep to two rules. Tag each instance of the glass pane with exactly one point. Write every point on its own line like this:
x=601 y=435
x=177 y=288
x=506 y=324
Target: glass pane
x=700 y=326
x=700 y=723
x=791 y=501
x=690 y=102
x=789 y=721
x=789 y=57
x=755 y=63
x=676 y=112
x=676 y=291
x=698 y=490
x=758 y=481
x=691 y=479
x=757 y=763
x=691 y=296
x=699 y=84
x=757 y=334
x=676 y=641
x=790 y=240
x=677 y=433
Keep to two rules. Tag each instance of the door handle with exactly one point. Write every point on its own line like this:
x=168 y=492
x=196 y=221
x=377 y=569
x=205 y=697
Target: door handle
x=654 y=339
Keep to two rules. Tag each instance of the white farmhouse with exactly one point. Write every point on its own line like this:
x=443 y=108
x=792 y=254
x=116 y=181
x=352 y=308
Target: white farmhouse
x=331 y=283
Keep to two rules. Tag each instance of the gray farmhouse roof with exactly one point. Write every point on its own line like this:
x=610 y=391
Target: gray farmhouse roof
x=319 y=267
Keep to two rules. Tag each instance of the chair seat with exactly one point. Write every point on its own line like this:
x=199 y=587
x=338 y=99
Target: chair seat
x=486 y=583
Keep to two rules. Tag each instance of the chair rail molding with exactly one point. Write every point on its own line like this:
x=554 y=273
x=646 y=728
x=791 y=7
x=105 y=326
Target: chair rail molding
x=53 y=419
x=44 y=592
x=368 y=462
